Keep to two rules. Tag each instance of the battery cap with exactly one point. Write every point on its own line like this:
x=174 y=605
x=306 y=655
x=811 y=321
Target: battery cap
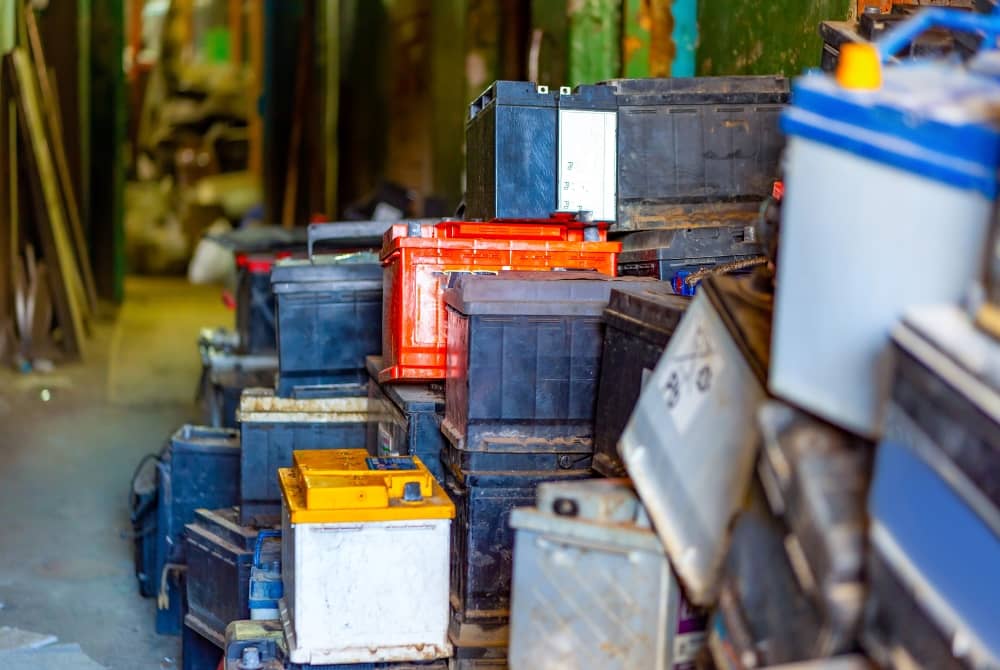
x=860 y=68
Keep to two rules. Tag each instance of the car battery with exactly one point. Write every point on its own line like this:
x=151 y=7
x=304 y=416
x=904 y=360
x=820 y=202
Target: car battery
x=524 y=360
x=667 y=254
x=255 y=302
x=944 y=401
x=419 y=259
x=272 y=427
x=767 y=618
x=586 y=178
x=198 y=468
x=483 y=546
x=932 y=601
x=224 y=375
x=219 y=557
x=638 y=324
x=816 y=479
x=329 y=313
x=510 y=164
x=365 y=547
x=201 y=649
x=406 y=419
x=586 y=560
x=685 y=144
x=923 y=138
x=691 y=443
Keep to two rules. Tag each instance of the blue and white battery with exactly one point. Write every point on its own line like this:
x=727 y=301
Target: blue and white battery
x=265 y=576
x=889 y=194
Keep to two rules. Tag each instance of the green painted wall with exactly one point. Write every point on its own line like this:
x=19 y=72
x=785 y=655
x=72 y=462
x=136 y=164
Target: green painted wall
x=757 y=37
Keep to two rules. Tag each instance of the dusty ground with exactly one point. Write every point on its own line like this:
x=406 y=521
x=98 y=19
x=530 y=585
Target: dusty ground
x=69 y=441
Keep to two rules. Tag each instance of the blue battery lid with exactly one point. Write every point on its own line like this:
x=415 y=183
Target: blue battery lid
x=934 y=119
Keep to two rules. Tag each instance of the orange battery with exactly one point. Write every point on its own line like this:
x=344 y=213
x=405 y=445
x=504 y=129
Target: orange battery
x=418 y=259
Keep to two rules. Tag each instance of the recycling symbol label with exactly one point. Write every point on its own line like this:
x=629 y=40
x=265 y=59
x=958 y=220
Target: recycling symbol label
x=690 y=373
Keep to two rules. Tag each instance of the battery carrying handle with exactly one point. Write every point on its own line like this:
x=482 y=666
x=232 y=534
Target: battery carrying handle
x=985 y=25
x=259 y=544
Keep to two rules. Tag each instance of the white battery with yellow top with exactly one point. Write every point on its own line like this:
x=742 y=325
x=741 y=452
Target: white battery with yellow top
x=365 y=553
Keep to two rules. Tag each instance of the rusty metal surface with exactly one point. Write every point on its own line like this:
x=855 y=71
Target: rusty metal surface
x=261 y=405
x=652 y=216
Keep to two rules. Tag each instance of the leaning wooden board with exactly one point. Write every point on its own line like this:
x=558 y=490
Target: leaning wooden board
x=68 y=293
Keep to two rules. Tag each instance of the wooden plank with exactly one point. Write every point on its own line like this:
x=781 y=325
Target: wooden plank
x=8 y=225
x=47 y=200
x=255 y=44
x=303 y=68
x=53 y=124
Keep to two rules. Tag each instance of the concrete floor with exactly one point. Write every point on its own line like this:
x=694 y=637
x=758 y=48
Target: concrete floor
x=65 y=464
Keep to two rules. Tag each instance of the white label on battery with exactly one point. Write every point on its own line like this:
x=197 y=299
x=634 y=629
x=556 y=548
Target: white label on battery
x=587 y=162
x=385 y=446
x=690 y=373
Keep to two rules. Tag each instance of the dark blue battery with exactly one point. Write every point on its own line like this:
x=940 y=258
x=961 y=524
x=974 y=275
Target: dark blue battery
x=329 y=318
x=511 y=145
x=199 y=468
x=271 y=428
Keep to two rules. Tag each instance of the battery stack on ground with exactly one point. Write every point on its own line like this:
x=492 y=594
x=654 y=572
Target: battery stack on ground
x=405 y=419
x=524 y=352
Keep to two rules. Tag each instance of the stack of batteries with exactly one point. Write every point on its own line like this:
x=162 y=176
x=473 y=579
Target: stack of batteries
x=524 y=353
x=679 y=167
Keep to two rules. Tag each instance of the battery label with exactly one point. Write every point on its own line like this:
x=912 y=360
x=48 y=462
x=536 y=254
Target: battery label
x=588 y=152
x=395 y=463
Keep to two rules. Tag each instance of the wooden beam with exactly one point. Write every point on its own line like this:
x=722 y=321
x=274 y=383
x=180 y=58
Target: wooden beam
x=303 y=68
x=255 y=28
x=56 y=240
x=53 y=124
x=235 y=12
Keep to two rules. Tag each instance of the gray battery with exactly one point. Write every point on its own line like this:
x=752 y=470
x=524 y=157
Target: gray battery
x=692 y=440
x=592 y=585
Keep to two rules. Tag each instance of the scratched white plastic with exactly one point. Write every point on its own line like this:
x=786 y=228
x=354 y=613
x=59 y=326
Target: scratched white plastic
x=690 y=445
x=588 y=155
x=590 y=592
x=860 y=243
x=365 y=592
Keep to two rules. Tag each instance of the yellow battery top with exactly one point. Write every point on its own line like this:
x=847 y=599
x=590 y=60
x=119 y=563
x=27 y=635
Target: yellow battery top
x=348 y=485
